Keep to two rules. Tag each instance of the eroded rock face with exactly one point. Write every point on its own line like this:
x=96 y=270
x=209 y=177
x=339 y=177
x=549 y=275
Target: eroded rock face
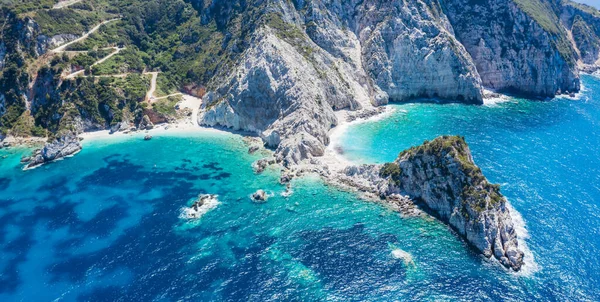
x=584 y=25
x=311 y=58
x=586 y=40
x=409 y=51
x=511 y=50
x=306 y=59
x=284 y=96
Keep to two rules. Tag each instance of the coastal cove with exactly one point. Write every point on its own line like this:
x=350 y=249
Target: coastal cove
x=105 y=224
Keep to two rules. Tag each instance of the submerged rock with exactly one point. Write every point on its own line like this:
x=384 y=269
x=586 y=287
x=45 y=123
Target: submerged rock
x=442 y=176
x=61 y=147
x=404 y=256
x=260 y=165
x=147 y=137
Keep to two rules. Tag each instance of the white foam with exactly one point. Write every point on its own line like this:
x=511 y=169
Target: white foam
x=529 y=265
x=491 y=102
x=190 y=213
x=401 y=254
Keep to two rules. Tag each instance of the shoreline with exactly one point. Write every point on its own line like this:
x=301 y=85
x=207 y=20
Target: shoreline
x=335 y=160
x=333 y=163
x=164 y=129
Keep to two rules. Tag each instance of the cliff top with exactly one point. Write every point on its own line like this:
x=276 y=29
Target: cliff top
x=442 y=153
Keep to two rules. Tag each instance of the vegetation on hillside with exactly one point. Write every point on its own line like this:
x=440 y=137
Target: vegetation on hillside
x=67 y=21
x=541 y=11
x=586 y=39
x=24 y=6
x=476 y=188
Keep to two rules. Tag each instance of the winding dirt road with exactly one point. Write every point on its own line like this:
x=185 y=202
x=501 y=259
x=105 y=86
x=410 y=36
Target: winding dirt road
x=65 y=3
x=91 y=31
x=81 y=72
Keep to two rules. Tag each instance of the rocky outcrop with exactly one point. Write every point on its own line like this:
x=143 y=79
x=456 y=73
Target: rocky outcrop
x=259 y=196
x=282 y=93
x=409 y=51
x=442 y=177
x=516 y=50
x=586 y=40
x=145 y=123
x=60 y=148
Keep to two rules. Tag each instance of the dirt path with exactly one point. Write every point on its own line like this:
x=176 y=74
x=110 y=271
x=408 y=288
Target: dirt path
x=81 y=72
x=166 y=96
x=150 y=93
x=91 y=31
x=65 y=3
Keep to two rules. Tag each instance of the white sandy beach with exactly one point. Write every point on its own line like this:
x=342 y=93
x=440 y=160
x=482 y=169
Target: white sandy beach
x=186 y=125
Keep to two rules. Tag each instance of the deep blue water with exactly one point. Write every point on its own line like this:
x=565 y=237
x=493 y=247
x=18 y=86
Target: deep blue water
x=104 y=225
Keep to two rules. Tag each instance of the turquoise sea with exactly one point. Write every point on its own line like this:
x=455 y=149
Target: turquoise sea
x=104 y=225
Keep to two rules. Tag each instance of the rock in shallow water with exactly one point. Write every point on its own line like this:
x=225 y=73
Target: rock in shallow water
x=260 y=195
x=61 y=147
x=201 y=206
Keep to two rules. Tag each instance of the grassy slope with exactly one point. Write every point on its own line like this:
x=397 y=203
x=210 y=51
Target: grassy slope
x=542 y=13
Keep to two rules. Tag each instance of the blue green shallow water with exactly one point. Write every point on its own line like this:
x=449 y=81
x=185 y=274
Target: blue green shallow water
x=104 y=225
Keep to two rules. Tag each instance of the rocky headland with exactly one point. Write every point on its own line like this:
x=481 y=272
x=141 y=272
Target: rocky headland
x=441 y=178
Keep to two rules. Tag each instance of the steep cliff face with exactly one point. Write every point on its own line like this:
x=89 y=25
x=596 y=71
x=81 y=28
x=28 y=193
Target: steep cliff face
x=281 y=69
x=517 y=46
x=586 y=40
x=285 y=90
x=305 y=59
x=409 y=50
x=442 y=175
x=13 y=76
x=309 y=58
x=583 y=22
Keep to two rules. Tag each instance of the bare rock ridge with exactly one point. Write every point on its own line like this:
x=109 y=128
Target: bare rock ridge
x=307 y=59
x=442 y=176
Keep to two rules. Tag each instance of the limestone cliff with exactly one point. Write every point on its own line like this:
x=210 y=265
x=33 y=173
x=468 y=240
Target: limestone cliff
x=442 y=176
x=309 y=58
x=583 y=24
x=280 y=69
x=517 y=46
x=305 y=59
